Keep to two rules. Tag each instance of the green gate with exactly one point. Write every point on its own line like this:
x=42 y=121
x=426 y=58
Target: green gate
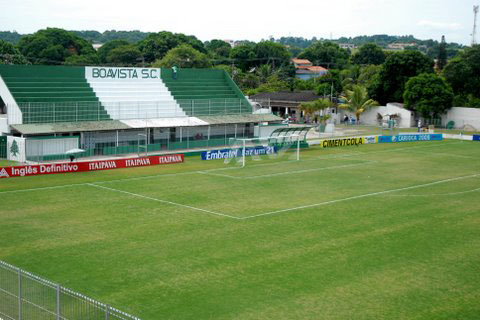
x=3 y=147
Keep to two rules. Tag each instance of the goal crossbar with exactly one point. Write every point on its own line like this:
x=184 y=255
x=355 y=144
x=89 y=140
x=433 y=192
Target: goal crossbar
x=248 y=142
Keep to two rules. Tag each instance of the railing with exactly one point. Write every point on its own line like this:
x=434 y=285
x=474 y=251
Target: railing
x=24 y=295
x=45 y=112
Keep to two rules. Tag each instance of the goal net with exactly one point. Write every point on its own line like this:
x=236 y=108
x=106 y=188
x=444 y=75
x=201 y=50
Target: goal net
x=276 y=148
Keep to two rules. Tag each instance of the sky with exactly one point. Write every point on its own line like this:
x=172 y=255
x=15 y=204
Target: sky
x=249 y=19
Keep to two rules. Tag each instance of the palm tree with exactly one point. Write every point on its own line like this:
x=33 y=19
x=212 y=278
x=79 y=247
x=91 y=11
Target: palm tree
x=312 y=107
x=357 y=101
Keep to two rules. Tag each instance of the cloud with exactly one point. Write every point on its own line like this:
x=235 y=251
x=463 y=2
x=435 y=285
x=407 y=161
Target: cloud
x=440 y=25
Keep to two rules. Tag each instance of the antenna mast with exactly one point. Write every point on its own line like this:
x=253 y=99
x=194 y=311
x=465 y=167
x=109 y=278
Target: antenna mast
x=474 y=33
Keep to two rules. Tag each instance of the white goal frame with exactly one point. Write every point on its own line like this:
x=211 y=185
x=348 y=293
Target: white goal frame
x=245 y=140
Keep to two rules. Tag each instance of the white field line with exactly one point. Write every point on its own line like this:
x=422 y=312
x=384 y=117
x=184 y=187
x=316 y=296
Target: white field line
x=360 y=196
x=288 y=172
x=445 y=154
x=356 y=153
x=434 y=194
x=164 y=201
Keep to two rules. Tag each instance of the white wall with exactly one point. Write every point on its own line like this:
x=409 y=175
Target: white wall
x=462 y=117
x=19 y=152
x=4 y=124
x=13 y=111
x=370 y=115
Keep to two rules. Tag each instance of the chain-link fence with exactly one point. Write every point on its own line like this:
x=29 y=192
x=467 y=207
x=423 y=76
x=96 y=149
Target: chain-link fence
x=49 y=112
x=25 y=296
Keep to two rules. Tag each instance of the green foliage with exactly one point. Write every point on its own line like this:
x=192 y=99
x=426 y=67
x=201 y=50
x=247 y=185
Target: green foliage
x=297 y=42
x=11 y=37
x=463 y=72
x=244 y=56
x=428 y=94
x=218 y=47
x=53 y=46
x=156 y=45
x=368 y=74
x=389 y=85
x=105 y=49
x=273 y=84
x=357 y=101
x=312 y=108
x=442 y=54
x=110 y=35
x=267 y=52
x=184 y=56
x=369 y=53
x=83 y=60
x=326 y=54
x=10 y=55
x=124 y=56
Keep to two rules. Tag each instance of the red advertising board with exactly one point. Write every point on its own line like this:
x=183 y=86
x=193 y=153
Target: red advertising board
x=68 y=167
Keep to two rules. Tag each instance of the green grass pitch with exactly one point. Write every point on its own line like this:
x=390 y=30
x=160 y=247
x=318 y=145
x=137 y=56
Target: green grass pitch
x=386 y=231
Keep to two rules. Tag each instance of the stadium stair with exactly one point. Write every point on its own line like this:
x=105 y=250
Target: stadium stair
x=202 y=92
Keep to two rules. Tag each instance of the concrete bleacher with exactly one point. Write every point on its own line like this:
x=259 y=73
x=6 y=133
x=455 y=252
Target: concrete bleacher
x=47 y=94
x=52 y=93
x=202 y=92
x=136 y=99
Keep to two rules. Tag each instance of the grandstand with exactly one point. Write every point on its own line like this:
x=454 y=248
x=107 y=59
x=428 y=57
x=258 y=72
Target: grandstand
x=108 y=109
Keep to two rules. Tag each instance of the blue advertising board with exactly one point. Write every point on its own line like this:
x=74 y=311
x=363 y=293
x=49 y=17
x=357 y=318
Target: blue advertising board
x=411 y=137
x=476 y=137
x=232 y=153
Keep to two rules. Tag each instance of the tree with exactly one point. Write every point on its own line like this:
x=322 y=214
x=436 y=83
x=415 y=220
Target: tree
x=10 y=55
x=428 y=94
x=83 y=60
x=53 y=46
x=463 y=73
x=124 y=56
x=357 y=101
x=326 y=54
x=184 y=56
x=442 y=54
x=105 y=49
x=312 y=107
x=244 y=56
x=397 y=69
x=369 y=53
x=267 y=52
x=156 y=45
x=219 y=47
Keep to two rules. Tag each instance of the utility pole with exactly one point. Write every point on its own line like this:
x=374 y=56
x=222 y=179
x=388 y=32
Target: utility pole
x=474 y=33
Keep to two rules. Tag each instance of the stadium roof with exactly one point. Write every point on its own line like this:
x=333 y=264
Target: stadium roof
x=85 y=126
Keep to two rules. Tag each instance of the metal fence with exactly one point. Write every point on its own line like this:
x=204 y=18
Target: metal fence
x=25 y=296
x=48 y=112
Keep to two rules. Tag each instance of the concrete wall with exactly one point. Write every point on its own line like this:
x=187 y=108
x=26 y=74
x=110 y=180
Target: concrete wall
x=369 y=117
x=13 y=111
x=463 y=117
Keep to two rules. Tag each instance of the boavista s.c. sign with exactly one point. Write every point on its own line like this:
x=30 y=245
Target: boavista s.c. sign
x=113 y=74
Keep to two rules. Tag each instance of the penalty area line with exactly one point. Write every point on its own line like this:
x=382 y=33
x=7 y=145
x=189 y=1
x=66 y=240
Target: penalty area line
x=360 y=196
x=164 y=201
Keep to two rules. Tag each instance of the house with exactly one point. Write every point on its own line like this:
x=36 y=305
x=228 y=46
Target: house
x=286 y=104
x=305 y=70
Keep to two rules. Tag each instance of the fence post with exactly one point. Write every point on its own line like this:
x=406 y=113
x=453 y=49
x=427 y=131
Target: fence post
x=107 y=313
x=76 y=112
x=193 y=108
x=19 y=294
x=98 y=110
x=209 y=106
x=225 y=106
x=54 y=115
x=58 y=302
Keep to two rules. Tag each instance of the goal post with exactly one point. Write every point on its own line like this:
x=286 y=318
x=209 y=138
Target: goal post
x=278 y=147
